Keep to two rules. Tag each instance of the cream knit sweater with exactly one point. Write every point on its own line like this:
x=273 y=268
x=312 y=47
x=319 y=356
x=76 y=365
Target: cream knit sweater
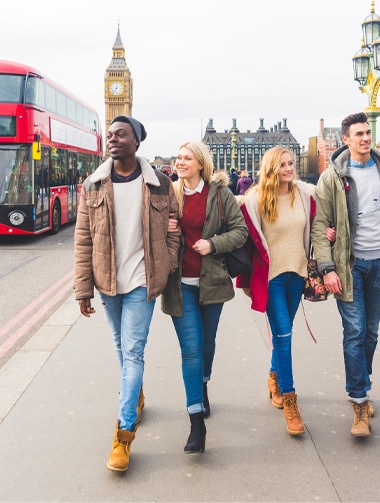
x=285 y=238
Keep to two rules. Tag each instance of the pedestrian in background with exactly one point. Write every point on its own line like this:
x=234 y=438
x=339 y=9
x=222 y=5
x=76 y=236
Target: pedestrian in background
x=123 y=249
x=348 y=198
x=233 y=180
x=278 y=212
x=243 y=183
x=195 y=294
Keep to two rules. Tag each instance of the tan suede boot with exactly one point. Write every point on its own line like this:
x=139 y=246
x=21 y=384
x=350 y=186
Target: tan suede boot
x=371 y=408
x=362 y=420
x=292 y=414
x=118 y=460
x=274 y=391
x=140 y=405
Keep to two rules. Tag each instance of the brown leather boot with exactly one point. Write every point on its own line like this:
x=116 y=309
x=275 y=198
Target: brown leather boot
x=362 y=420
x=140 y=405
x=292 y=414
x=118 y=460
x=274 y=391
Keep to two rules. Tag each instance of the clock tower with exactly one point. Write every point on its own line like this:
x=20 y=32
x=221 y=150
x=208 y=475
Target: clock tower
x=118 y=84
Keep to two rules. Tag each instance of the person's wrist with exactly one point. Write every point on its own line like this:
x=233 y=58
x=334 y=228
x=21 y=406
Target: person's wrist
x=327 y=270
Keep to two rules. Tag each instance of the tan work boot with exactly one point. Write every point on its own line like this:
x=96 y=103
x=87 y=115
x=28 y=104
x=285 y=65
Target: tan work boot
x=274 y=391
x=371 y=408
x=118 y=460
x=362 y=420
x=292 y=414
x=140 y=405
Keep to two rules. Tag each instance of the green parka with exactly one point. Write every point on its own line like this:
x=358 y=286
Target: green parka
x=337 y=203
x=215 y=284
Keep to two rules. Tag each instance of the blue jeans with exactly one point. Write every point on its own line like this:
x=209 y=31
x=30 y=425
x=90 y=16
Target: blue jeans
x=196 y=332
x=129 y=316
x=360 y=320
x=284 y=295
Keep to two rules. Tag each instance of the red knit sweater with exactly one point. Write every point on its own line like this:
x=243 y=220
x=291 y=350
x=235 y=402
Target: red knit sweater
x=191 y=223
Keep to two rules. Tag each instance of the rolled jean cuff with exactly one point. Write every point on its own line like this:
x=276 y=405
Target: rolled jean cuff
x=196 y=407
x=358 y=400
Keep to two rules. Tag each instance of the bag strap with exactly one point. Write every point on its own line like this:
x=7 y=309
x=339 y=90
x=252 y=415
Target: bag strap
x=307 y=324
x=221 y=208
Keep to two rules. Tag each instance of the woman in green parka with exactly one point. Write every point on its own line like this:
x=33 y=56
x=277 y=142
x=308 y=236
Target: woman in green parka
x=195 y=293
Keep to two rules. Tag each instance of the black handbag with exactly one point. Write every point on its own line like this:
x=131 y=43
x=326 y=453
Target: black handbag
x=314 y=289
x=237 y=261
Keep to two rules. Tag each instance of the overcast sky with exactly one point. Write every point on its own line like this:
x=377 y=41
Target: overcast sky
x=192 y=60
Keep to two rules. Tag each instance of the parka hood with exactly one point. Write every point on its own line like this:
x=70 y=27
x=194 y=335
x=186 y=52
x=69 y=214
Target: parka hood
x=341 y=156
x=221 y=177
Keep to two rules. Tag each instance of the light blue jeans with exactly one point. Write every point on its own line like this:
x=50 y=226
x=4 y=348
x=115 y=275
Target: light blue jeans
x=129 y=316
x=284 y=295
x=196 y=332
x=360 y=320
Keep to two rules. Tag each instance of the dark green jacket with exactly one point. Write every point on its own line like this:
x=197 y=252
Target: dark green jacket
x=215 y=284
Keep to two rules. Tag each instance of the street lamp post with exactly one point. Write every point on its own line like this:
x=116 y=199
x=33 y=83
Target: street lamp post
x=366 y=63
x=233 y=148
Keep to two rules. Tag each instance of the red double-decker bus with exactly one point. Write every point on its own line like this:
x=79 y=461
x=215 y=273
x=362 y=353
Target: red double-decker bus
x=49 y=142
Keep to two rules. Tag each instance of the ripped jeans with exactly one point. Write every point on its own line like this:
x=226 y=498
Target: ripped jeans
x=284 y=295
x=129 y=316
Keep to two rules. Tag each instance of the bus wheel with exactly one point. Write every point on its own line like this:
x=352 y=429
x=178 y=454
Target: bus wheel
x=56 y=218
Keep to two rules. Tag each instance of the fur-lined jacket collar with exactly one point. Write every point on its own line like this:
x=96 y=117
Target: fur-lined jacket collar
x=104 y=170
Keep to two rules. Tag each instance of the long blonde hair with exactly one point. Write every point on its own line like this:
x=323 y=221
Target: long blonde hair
x=203 y=155
x=267 y=187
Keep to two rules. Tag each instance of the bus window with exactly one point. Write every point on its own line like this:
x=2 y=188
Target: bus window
x=7 y=126
x=61 y=104
x=11 y=88
x=16 y=181
x=55 y=168
x=31 y=90
x=50 y=98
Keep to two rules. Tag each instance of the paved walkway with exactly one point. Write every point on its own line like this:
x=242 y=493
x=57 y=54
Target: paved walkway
x=58 y=406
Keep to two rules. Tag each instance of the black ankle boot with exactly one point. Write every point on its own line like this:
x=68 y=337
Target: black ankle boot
x=197 y=438
x=206 y=403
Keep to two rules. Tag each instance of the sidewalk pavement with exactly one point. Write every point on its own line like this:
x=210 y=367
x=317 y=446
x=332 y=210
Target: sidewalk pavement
x=58 y=407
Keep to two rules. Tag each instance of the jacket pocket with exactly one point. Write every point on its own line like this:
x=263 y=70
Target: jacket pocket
x=98 y=215
x=159 y=213
x=94 y=202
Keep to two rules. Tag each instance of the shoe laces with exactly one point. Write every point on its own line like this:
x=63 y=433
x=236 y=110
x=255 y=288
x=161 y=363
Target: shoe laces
x=292 y=409
x=361 y=412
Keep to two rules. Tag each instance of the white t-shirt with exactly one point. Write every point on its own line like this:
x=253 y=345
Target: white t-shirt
x=130 y=265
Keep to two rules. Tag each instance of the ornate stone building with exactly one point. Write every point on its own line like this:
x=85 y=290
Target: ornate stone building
x=328 y=140
x=118 y=84
x=244 y=150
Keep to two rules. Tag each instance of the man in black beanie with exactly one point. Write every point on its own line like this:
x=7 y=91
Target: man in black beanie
x=123 y=249
x=137 y=127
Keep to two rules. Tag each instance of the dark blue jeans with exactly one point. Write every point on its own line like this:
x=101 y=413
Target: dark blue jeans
x=196 y=332
x=284 y=295
x=360 y=320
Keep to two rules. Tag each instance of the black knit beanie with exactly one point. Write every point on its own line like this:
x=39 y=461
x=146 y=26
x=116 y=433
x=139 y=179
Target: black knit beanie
x=137 y=127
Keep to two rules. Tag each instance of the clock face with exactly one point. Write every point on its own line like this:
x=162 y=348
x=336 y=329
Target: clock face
x=116 y=88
